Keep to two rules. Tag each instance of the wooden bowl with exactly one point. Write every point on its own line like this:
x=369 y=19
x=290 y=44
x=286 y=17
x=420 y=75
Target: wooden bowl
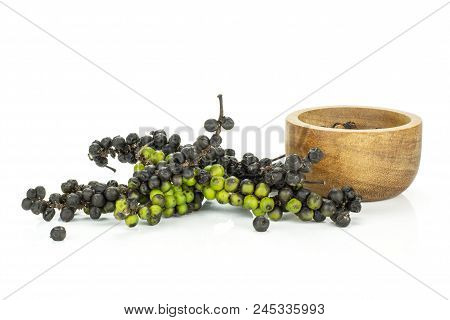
x=380 y=159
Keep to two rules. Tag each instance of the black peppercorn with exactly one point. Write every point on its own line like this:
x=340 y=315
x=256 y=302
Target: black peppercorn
x=58 y=233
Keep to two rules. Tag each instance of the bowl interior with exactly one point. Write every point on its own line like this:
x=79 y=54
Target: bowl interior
x=364 y=118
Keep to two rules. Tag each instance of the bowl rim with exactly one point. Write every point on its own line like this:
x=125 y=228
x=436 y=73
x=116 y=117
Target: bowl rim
x=293 y=118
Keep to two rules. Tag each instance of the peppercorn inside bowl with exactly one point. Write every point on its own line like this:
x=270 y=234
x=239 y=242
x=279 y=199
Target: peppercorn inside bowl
x=375 y=150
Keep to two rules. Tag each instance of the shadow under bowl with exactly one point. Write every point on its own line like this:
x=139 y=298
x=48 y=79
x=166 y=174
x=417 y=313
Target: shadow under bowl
x=380 y=158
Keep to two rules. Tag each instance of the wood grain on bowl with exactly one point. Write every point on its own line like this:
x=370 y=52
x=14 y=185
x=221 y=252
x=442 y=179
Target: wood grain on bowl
x=380 y=159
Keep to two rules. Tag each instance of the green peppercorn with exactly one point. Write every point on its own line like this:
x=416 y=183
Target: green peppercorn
x=132 y=220
x=236 y=199
x=168 y=212
x=180 y=198
x=165 y=186
x=169 y=193
x=155 y=192
x=217 y=183
x=285 y=194
x=177 y=189
x=133 y=183
x=170 y=202
x=223 y=197
x=121 y=205
x=182 y=209
x=262 y=190
x=267 y=204
x=189 y=194
x=314 y=201
x=294 y=205
x=258 y=212
x=155 y=210
x=146 y=152
x=189 y=181
x=247 y=187
x=159 y=199
x=250 y=202
x=139 y=167
x=231 y=184
x=276 y=214
x=217 y=170
x=209 y=193
x=157 y=157
x=154 y=220
x=144 y=213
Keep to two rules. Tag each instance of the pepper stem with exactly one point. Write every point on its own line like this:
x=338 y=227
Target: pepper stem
x=314 y=182
x=220 y=113
x=278 y=158
x=110 y=168
x=221 y=105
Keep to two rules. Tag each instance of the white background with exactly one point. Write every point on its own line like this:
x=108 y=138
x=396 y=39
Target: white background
x=264 y=57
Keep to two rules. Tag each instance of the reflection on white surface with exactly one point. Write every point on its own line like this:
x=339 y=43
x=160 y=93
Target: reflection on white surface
x=390 y=225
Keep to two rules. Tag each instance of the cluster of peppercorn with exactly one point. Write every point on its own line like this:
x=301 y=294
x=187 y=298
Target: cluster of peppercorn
x=171 y=179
